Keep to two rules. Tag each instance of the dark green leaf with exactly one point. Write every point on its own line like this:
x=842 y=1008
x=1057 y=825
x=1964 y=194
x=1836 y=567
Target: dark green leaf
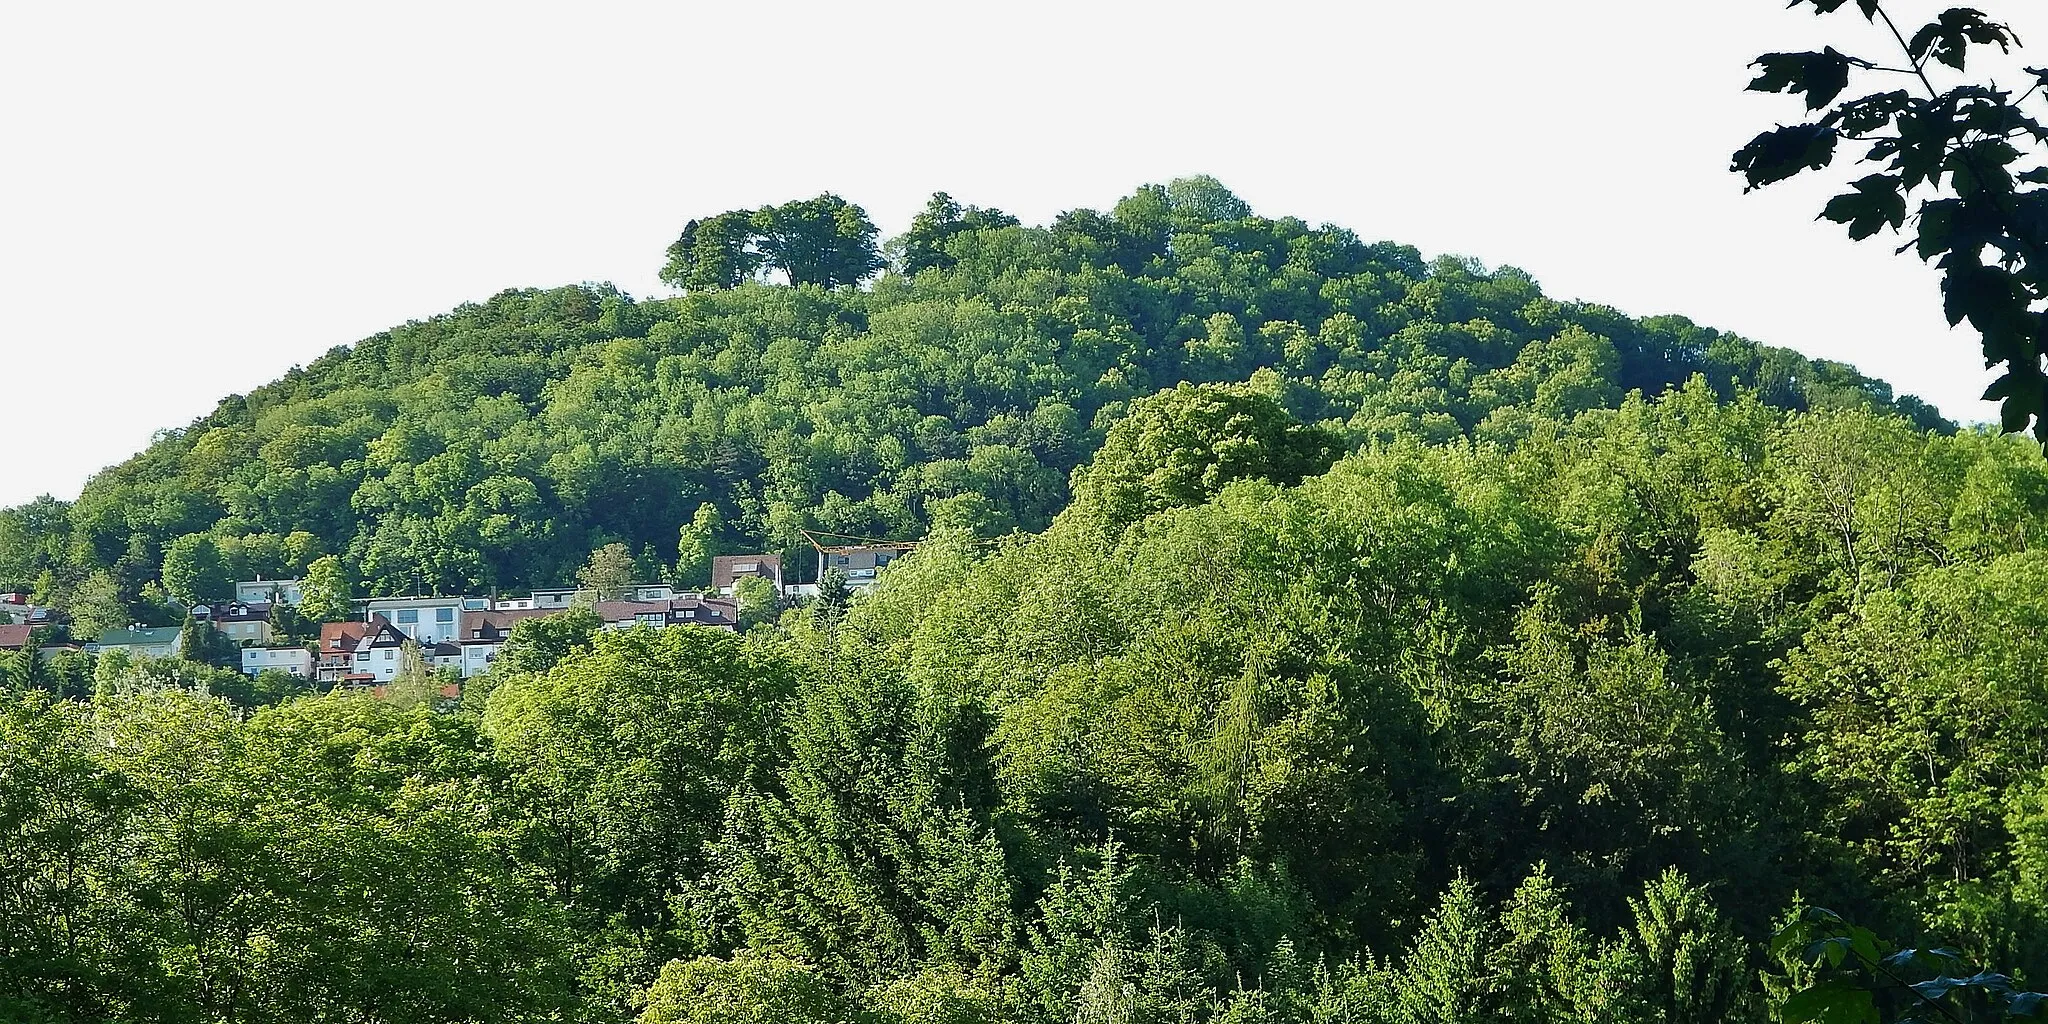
x=1821 y=76
x=1783 y=152
x=1830 y=1002
x=1948 y=38
x=1878 y=202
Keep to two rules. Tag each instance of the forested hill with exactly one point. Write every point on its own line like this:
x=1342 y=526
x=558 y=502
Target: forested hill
x=499 y=444
x=1444 y=654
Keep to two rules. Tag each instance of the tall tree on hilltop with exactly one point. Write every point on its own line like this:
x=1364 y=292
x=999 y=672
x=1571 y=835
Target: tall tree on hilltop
x=942 y=219
x=825 y=241
x=715 y=252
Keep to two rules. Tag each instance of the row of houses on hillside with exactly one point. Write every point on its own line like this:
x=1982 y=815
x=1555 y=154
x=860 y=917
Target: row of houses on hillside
x=462 y=633
x=454 y=634
x=465 y=633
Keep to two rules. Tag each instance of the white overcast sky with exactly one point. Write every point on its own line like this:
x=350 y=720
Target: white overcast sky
x=195 y=197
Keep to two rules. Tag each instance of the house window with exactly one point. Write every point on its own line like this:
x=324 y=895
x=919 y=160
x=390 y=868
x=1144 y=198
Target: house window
x=444 y=615
x=389 y=654
x=409 y=617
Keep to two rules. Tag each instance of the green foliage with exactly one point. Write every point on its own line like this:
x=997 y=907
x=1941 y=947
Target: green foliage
x=195 y=571
x=622 y=757
x=1966 y=152
x=825 y=241
x=95 y=605
x=1425 y=650
x=697 y=544
x=1839 y=972
x=712 y=253
x=539 y=644
x=609 y=572
x=498 y=445
x=757 y=599
x=926 y=244
x=327 y=594
x=877 y=853
x=750 y=988
x=205 y=644
x=1181 y=447
x=180 y=863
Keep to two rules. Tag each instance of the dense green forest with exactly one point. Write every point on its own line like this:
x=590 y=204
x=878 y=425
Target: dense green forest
x=498 y=445
x=1304 y=633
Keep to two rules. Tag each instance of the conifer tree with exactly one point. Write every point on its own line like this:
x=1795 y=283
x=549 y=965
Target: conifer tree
x=1448 y=976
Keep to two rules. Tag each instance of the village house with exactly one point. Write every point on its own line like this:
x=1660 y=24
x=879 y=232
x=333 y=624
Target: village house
x=429 y=620
x=16 y=609
x=687 y=610
x=337 y=652
x=14 y=638
x=141 y=641
x=262 y=591
x=564 y=598
x=551 y=600
x=484 y=635
x=377 y=654
x=728 y=570
x=296 y=661
x=242 y=623
x=860 y=563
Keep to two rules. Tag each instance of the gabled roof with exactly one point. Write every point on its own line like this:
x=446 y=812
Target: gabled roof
x=727 y=568
x=14 y=638
x=236 y=611
x=343 y=637
x=682 y=610
x=384 y=634
x=492 y=627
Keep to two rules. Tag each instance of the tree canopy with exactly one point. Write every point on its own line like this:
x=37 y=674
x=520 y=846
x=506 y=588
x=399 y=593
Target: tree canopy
x=498 y=445
x=1300 y=632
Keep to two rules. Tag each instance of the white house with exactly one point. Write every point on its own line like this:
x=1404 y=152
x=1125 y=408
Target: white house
x=376 y=654
x=446 y=654
x=860 y=563
x=560 y=598
x=293 y=660
x=484 y=635
x=555 y=600
x=429 y=620
x=262 y=591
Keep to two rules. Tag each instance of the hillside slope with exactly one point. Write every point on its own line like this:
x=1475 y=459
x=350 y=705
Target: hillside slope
x=498 y=444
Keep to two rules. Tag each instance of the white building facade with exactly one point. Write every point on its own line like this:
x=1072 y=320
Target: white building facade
x=292 y=660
